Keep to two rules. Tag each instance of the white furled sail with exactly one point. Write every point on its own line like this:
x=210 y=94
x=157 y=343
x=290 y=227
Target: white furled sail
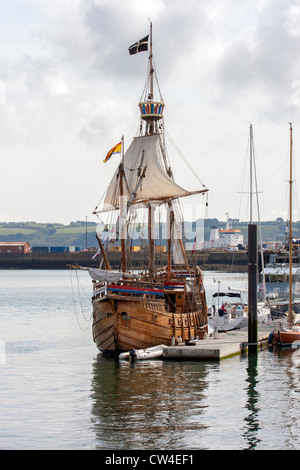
x=144 y=152
x=108 y=276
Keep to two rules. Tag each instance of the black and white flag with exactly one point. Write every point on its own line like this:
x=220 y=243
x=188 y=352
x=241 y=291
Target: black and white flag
x=139 y=46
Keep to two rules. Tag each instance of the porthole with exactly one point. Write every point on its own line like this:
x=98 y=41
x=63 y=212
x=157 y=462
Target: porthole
x=125 y=316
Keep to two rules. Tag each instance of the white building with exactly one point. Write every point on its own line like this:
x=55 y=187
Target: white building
x=227 y=239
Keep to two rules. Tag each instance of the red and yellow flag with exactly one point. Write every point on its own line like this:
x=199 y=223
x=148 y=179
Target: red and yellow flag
x=115 y=149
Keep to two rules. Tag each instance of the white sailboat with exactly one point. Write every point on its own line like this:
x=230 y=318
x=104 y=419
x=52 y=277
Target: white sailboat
x=234 y=315
x=228 y=311
x=290 y=334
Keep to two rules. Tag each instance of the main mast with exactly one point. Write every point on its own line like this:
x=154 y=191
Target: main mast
x=151 y=121
x=144 y=177
x=151 y=114
x=151 y=111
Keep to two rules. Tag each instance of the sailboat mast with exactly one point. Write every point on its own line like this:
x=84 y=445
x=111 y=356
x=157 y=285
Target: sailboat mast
x=253 y=171
x=251 y=158
x=290 y=319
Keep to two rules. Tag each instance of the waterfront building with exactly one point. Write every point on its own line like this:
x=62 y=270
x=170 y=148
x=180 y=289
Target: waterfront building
x=14 y=247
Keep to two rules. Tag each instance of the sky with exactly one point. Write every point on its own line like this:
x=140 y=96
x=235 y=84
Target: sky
x=69 y=90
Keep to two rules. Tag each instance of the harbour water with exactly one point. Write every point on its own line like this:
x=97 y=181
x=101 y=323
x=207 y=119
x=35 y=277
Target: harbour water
x=58 y=392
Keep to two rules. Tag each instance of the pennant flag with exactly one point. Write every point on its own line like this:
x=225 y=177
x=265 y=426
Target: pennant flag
x=139 y=46
x=96 y=254
x=115 y=149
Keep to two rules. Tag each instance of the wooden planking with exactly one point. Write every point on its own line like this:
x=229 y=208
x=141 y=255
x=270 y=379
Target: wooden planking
x=144 y=323
x=103 y=325
x=145 y=326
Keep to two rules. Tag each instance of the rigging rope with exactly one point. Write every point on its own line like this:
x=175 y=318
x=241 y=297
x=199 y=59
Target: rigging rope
x=73 y=295
x=184 y=159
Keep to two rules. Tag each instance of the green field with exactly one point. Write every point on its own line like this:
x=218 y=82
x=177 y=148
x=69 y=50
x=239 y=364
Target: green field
x=76 y=229
x=77 y=234
x=82 y=234
x=13 y=231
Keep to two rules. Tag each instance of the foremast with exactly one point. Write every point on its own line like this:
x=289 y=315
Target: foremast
x=123 y=241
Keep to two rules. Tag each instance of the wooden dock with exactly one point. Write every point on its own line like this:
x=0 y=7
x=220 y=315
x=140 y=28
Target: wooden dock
x=222 y=346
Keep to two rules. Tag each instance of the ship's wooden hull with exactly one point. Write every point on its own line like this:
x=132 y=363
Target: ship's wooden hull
x=123 y=323
x=288 y=337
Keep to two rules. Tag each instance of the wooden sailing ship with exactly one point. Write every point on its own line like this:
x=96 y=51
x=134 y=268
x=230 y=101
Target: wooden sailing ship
x=287 y=336
x=137 y=311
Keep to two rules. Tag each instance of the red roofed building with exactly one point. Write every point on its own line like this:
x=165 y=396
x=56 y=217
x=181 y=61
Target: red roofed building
x=14 y=247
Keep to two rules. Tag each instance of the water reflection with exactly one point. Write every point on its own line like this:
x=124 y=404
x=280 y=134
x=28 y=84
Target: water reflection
x=239 y=403
x=146 y=404
x=290 y=413
x=252 y=404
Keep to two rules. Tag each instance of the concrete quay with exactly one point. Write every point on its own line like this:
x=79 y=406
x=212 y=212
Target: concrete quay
x=222 y=346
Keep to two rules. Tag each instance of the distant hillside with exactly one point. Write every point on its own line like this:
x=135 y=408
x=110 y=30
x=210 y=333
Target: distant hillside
x=82 y=234
x=75 y=234
x=271 y=230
